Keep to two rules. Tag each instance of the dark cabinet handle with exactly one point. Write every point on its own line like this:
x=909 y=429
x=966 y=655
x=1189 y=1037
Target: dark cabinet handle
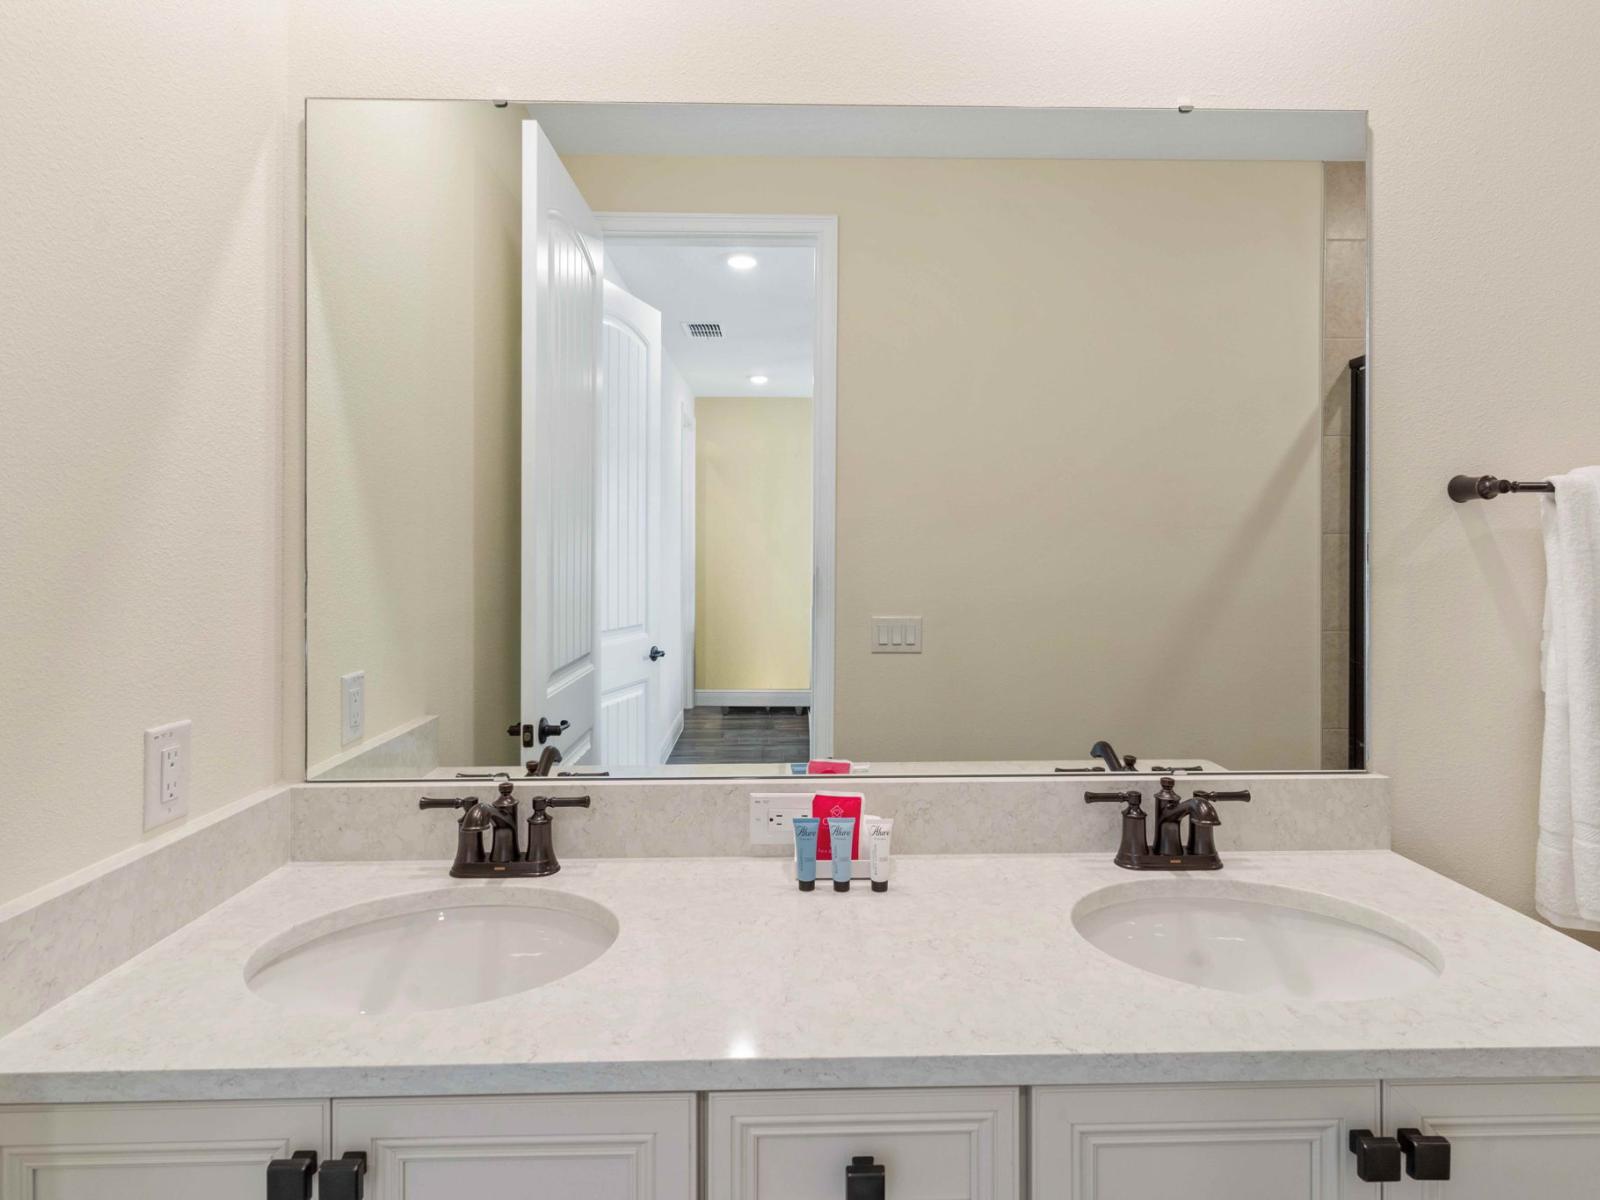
x=342 y=1177
x=864 y=1179
x=1427 y=1155
x=1377 y=1158
x=548 y=731
x=657 y=652
x=290 y=1178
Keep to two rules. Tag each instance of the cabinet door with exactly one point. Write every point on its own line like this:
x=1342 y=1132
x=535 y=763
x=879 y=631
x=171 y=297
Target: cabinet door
x=1539 y=1140
x=1200 y=1143
x=515 y=1147
x=152 y=1151
x=943 y=1144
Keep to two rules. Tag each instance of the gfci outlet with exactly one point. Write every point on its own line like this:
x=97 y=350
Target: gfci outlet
x=166 y=773
x=352 y=707
x=770 y=814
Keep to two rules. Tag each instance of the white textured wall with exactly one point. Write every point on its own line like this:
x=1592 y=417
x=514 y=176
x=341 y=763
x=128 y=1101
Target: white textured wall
x=1487 y=252
x=142 y=153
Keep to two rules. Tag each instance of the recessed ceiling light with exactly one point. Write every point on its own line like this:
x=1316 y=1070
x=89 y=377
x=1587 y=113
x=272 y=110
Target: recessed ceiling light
x=742 y=262
x=758 y=380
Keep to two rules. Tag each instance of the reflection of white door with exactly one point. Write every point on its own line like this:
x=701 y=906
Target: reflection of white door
x=561 y=315
x=629 y=530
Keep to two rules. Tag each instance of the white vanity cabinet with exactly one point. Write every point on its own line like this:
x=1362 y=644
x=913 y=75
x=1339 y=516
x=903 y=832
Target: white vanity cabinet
x=514 y=1147
x=1200 y=1142
x=1538 y=1140
x=152 y=1151
x=934 y=1144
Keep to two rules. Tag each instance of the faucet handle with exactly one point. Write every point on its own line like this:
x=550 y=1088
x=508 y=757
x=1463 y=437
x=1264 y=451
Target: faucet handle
x=567 y=801
x=1241 y=794
x=446 y=802
x=1132 y=798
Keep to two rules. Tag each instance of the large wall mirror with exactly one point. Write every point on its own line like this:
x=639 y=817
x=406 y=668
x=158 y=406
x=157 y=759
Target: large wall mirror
x=679 y=440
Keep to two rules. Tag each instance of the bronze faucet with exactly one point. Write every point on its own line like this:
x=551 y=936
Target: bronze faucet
x=499 y=818
x=1172 y=852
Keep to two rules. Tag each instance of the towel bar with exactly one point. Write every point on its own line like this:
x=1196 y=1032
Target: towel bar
x=1486 y=487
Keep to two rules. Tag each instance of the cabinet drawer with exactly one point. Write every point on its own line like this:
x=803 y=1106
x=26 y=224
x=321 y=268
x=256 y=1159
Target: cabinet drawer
x=514 y=1147
x=1200 y=1143
x=944 y=1144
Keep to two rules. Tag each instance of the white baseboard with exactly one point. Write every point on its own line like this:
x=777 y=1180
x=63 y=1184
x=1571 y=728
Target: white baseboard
x=798 y=698
x=674 y=732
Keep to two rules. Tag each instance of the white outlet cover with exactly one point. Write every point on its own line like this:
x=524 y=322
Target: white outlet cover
x=770 y=814
x=352 y=707
x=166 y=774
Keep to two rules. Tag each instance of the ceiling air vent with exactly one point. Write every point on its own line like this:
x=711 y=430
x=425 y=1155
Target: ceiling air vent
x=703 y=329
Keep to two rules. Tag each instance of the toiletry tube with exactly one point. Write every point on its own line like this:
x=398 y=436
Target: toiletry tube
x=878 y=830
x=841 y=835
x=805 y=851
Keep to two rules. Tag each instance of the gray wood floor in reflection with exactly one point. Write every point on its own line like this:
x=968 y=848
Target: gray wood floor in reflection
x=743 y=735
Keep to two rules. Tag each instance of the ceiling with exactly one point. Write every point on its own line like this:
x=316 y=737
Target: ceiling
x=890 y=131
x=766 y=313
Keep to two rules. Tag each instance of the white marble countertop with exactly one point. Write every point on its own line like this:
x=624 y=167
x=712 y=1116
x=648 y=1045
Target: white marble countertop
x=967 y=972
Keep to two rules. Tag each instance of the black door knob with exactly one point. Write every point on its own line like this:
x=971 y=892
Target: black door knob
x=290 y=1178
x=518 y=729
x=548 y=731
x=1427 y=1155
x=657 y=652
x=865 y=1179
x=1377 y=1158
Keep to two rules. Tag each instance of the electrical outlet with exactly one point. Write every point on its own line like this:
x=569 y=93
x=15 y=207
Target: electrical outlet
x=770 y=814
x=166 y=773
x=352 y=707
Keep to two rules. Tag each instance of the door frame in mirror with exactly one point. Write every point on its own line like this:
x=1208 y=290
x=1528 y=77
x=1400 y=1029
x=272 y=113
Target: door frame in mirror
x=821 y=233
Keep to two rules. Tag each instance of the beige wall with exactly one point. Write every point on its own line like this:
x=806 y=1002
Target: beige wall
x=1079 y=412
x=413 y=252
x=156 y=292
x=143 y=149
x=752 y=543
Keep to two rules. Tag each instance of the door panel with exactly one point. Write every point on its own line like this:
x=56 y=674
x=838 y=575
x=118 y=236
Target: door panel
x=152 y=1151
x=561 y=316
x=516 y=1147
x=1203 y=1143
x=1539 y=1140
x=629 y=528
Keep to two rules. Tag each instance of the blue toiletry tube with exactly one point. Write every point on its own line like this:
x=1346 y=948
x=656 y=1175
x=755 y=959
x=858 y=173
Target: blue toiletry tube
x=841 y=835
x=805 y=851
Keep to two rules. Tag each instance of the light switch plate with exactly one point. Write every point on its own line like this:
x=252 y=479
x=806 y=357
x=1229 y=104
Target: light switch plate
x=352 y=707
x=897 y=635
x=166 y=774
x=770 y=814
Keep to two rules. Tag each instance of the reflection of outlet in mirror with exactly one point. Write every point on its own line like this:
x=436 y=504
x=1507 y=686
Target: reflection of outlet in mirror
x=352 y=707
x=166 y=773
x=770 y=814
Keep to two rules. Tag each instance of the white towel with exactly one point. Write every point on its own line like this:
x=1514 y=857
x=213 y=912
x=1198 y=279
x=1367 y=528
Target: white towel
x=1567 y=876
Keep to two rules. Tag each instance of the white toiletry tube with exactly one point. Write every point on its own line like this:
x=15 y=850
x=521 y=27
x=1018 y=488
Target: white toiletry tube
x=877 y=830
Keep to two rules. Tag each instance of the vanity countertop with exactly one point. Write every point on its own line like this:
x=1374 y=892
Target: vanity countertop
x=968 y=971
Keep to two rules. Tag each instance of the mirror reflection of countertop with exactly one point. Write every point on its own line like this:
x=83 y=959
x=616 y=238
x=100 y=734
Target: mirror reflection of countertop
x=968 y=971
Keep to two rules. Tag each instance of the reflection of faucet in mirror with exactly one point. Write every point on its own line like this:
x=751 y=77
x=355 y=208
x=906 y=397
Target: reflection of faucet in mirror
x=548 y=758
x=1113 y=761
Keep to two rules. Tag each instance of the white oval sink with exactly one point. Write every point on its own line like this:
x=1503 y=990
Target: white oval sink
x=1252 y=938
x=440 y=950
